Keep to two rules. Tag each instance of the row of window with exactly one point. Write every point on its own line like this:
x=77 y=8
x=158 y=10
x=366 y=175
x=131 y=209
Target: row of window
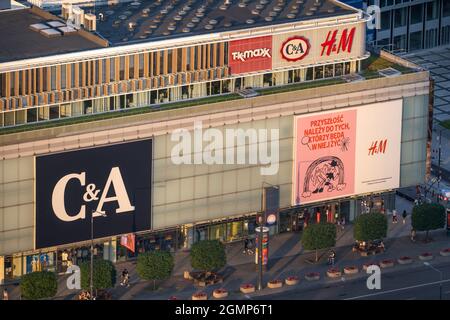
x=418 y=13
x=107 y=70
x=160 y=96
x=417 y=41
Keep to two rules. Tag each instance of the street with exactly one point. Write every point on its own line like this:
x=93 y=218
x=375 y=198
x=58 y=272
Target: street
x=420 y=283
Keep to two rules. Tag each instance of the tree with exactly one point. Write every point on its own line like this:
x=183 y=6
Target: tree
x=428 y=216
x=157 y=265
x=319 y=236
x=370 y=226
x=208 y=255
x=104 y=276
x=39 y=285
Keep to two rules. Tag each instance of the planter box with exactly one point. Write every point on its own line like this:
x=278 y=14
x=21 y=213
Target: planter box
x=274 y=284
x=247 y=289
x=334 y=273
x=197 y=296
x=366 y=265
x=386 y=264
x=426 y=257
x=220 y=293
x=291 y=281
x=445 y=252
x=351 y=270
x=312 y=276
x=405 y=260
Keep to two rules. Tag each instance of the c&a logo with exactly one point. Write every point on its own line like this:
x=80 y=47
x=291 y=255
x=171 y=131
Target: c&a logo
x=295 y=49
x=114 y=182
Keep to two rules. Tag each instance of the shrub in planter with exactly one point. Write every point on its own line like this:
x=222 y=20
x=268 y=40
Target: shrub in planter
x=387 y=263
x=247 y=288
x=220 y=293
x=428 y=216
x=319 y=236
x=370 y=226
x=405 y=260
x=273 y=284
x=200 y=296
x=291 y=280
x=351 y=270
x=38 y=285
x=104 y=276
x=333 y=273
x=426 y=256
x=155 y=265
x=445 y=252
x=312 y=276
x=208 y=255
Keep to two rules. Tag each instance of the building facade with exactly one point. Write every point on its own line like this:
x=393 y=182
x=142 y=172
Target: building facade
x=142 y=140
x=409 y=25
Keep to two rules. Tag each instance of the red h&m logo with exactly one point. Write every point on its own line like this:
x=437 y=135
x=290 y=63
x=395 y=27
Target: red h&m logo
x=345 y=43
x=378 y=147
x=250 y=55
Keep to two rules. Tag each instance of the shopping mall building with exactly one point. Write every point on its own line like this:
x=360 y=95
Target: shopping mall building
x=178 y=121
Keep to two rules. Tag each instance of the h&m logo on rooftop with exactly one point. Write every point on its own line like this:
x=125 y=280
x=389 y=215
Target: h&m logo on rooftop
x=331 y=44
x=254 y=53
x=114 y=184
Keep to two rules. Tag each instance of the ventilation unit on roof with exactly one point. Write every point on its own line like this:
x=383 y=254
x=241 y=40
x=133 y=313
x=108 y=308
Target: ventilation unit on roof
x=389 y=72
x=78 y=16
x=90 y=22
x=66 y=11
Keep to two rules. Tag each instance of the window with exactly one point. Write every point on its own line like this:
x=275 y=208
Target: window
x=385 y=20
x=400 y=42
x=415 y=40
x=430 y=38
x=417 y=14
x=400 y=17
x=180 y=56
x=318 y=72
x=445 y=35
x=432 y=10
x=338 y=69
x=169 y=62
x=309 y=74
x=446 y=9
x=63 y=77
x=329 y=70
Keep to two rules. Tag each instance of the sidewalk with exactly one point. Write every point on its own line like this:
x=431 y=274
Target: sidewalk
x=286 y=258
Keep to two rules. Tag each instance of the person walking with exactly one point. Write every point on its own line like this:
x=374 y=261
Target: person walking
x=125 y=278
x=5 y=294
x=246 y=245
x=404 y=214
x=413 y=235
x=394 y=216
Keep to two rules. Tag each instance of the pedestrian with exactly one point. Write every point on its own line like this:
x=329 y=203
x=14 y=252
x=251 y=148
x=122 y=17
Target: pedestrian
x=246 y=245
x=394 y=216
x=413 y=235
x=125 y=278
x=5 y=294
x=343 y=223
x=331 y=257
x=404 y=214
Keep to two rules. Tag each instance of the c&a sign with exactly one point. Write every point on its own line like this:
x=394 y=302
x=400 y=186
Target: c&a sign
x=111 y=183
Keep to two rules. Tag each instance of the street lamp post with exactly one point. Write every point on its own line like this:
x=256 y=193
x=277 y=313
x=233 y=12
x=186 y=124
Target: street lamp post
x=261 y=223
x=441 y=275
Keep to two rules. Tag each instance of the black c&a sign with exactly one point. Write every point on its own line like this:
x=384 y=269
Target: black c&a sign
x=111 y=183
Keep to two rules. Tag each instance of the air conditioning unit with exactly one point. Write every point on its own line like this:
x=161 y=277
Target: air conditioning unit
x=78 y=16
x=90 y=21
x=66 y=10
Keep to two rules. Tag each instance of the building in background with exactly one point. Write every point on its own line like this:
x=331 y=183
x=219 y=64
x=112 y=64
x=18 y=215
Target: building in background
x=409 y=25
x=91 y=107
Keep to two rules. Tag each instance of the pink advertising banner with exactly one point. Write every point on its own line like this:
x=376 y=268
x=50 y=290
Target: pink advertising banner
x=347 y=152
x=325 y=156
